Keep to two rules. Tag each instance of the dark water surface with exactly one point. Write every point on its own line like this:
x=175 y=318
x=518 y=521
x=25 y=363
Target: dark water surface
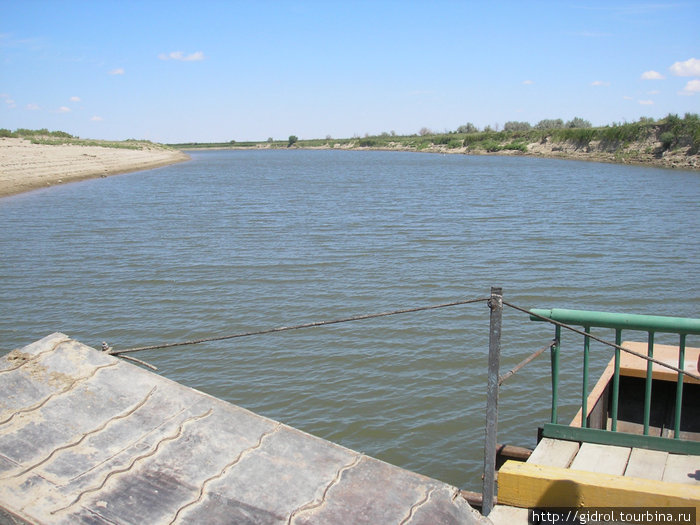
x=247 y=240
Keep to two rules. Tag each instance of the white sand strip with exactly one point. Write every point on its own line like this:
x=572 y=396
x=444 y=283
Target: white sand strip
x=25 y=166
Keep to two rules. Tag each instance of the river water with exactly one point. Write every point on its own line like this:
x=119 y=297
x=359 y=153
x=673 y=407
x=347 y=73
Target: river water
x=237 y=241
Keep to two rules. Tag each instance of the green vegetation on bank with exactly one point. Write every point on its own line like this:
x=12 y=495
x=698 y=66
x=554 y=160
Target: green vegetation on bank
x=646 y=136
x=58 y=138
x=672 y=133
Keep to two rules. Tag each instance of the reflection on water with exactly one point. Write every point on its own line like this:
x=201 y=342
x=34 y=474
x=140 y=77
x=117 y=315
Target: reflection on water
x=246 y=240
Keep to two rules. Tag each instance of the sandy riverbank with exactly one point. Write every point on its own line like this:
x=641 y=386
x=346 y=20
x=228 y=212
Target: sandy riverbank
x=25 y=166
x=641 y=154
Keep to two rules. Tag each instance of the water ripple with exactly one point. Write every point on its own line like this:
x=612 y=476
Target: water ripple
x=247 y=240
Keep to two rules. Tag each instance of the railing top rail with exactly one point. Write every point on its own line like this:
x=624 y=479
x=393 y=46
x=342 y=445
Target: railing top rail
x=647 y=323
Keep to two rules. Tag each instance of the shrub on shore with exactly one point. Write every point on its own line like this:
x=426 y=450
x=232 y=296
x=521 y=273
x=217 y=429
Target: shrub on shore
x=34 y=133
x=672 y=132
x=58 y=138
x=679 y=132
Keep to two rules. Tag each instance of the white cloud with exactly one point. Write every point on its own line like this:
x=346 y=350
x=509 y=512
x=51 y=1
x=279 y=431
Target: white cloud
x=652 y=75
x=646 y=102
x=118 y=71
x=75 y=99
x=628 y=98
x=691 y=88
x=655 y=92
x=96 y=119
x=600 y=83
x=63 y=109
x=195 y=56
x=179 y=55
x=8 y=100
x=689 y=68
x=528 y=82
x=33 y=107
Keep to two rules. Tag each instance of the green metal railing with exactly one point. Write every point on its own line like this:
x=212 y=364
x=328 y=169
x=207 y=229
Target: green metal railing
x=651 y=324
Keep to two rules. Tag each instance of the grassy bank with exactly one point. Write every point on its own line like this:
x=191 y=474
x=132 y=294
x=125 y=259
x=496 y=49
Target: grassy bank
x=645 y=141
x=59 y=138
x=671 y=142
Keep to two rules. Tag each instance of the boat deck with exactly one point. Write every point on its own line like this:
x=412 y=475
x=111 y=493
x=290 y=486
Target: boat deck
x=572 y=474
x=88 y=438
x=619 y=461
x=563 y=473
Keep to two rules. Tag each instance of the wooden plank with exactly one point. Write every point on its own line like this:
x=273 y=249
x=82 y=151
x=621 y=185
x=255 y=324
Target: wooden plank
x=531 y=486
x=628 y=427
x=646 y=464
x=606 y=459
x=90 y=438
x=513 y=452
x=634 y=366
x=506 y=452
x=592 y=435
x=554 y=453
x=631 y=365
x=595 y=396
x=683 y=469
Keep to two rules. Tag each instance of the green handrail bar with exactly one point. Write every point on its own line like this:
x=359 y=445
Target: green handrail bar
x=646 y=323
x=618 y=321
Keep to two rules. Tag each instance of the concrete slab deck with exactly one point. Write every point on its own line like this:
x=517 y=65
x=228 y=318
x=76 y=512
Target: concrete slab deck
x=88 y=438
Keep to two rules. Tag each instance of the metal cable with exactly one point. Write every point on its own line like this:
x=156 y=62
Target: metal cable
x=598 y=339
x=296 y=327
x=521 y=364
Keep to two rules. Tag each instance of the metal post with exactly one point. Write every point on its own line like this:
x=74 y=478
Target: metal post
x=616 y=381
x=647 y=387
x=489 y=489
x=679 y=389
x=584 y=389
x=555 y=373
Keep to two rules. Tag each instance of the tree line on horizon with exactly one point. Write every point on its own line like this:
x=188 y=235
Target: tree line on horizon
x=513 y=125
x=672 y=131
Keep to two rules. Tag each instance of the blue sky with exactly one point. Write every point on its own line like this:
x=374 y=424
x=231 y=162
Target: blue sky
x=219 y=71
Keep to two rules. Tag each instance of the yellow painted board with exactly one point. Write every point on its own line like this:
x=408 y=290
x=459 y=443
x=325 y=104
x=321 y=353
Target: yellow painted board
x=530 y=486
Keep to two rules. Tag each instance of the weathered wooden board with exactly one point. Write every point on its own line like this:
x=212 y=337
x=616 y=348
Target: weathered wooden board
x=682 y=469
x=646 y=464
x=88 y=438
x=631 y=365
x=605 y=459
x=554 y=453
